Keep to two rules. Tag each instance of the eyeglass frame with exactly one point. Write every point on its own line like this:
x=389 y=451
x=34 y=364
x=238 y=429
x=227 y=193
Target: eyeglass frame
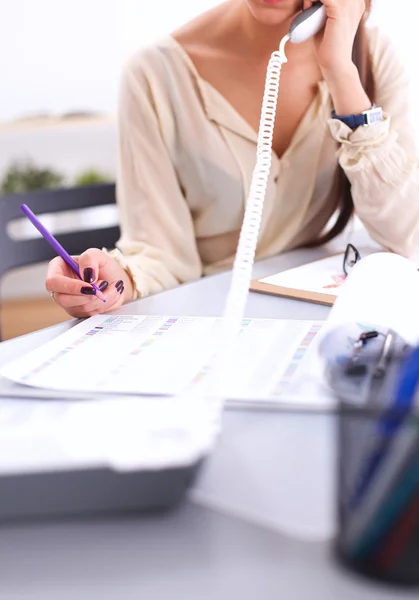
x=350 y=248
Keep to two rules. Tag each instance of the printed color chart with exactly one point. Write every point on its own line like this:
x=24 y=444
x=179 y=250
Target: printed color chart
x=165 y=355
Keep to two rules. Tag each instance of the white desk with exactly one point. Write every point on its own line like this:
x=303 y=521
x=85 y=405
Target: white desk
x=198 y=553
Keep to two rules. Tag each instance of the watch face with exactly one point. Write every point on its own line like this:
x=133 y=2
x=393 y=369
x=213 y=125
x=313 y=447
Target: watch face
x=374 y=116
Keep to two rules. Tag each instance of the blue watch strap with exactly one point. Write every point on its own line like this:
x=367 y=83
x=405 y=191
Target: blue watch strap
x=353 y=121
x=368 y=117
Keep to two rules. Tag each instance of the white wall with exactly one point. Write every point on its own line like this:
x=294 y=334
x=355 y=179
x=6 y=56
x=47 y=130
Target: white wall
x=60 y=55
x=397 y=18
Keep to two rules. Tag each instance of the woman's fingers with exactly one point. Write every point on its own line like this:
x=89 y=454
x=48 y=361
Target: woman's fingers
x=60 y=284
x=85 y=305
x=72 y=300
x=78 y=297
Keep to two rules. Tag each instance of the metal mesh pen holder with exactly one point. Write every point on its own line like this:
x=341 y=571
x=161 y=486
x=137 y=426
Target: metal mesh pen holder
x=378 y=493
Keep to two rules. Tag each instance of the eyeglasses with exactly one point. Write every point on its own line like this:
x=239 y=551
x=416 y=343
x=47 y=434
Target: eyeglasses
x=351 y=257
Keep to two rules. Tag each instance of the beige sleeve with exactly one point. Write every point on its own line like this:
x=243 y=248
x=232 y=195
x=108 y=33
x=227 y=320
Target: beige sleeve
x=157 y=245
x=381 y=160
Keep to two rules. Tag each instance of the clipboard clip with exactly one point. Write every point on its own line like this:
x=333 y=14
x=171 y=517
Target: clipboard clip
x=361 y=366
x=355 y=368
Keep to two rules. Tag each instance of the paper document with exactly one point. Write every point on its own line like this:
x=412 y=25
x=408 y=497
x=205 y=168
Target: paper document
x=120 y=432
x=383 y=291
x=318 y=281
x=323 y=276
x=167 y=355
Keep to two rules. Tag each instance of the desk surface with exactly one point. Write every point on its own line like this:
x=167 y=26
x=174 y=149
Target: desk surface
x=195 y=552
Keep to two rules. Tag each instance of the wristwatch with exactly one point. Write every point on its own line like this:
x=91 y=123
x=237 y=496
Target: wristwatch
x=368 y=117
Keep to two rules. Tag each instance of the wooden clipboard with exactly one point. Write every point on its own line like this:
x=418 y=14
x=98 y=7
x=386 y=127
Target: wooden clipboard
x=325 y=299
x=294 y=294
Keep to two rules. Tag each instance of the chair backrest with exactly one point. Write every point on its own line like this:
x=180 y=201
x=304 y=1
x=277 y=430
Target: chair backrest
x=21 y=252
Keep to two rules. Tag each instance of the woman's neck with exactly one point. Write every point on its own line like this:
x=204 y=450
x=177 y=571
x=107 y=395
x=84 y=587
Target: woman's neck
x=259 y=37
x=242 y=32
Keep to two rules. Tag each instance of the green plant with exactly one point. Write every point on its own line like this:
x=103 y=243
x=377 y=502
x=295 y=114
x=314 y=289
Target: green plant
x=91 y=177
x=26 y=177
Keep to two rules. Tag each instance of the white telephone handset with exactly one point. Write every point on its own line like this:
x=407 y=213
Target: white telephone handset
x=308 y=23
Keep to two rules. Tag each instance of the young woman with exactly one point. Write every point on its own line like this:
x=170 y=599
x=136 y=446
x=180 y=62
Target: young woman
x=189 y=115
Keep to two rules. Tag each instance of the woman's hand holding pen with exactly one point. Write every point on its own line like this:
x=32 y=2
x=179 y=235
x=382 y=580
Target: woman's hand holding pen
x=79 y=299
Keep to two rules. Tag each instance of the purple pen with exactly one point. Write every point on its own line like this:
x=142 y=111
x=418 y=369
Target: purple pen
x=58 y=248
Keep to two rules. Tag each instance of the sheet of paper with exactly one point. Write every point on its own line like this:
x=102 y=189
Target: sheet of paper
x=29 y=439
x=122 y=433
x=168 y=355
x=323 y=276
x=382 y=290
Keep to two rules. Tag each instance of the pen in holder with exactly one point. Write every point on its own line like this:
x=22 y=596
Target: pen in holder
x=378 y=494
x=374 y=375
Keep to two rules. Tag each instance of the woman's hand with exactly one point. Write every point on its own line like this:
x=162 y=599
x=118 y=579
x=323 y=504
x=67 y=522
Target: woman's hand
x=334 y=55
x=334 y=52
x=78 y=298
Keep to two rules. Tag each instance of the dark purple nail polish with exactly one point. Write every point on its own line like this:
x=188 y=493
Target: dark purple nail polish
x=118 y=284
x=88 y=291
x=88 y=275
x=103 y=286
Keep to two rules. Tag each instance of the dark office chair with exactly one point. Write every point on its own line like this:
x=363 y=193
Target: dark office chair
x=18 y=253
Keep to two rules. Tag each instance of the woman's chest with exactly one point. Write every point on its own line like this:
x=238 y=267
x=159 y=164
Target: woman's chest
x=243 y=90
